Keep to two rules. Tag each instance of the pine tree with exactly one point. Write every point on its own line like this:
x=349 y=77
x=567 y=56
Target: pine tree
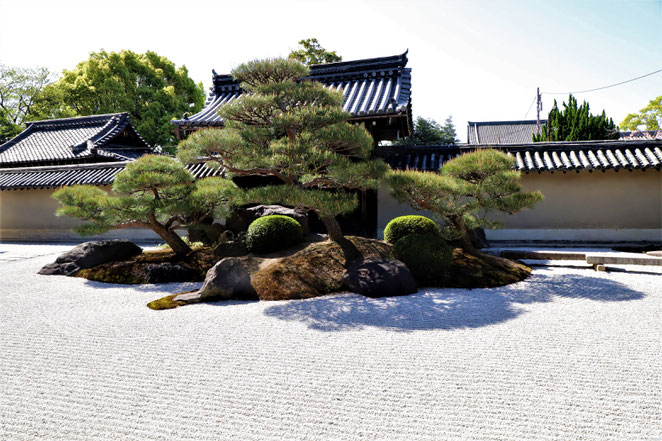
x=154 y=192
x=293 y=130
x=576 y=124
x=312 y=52
x=468 y=188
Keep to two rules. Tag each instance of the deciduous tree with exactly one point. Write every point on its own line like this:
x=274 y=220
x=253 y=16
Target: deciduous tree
x=155 y=192
x=427 y=131
x=648 y=118
x=148 y=86
x=467 y=189
x=19 y=88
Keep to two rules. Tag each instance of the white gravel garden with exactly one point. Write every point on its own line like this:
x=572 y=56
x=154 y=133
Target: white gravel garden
x=568 y=354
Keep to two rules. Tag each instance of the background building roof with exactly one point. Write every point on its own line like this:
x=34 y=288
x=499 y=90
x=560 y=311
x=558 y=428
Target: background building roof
x=74 y=140
x=373 y=86
x=502 y=132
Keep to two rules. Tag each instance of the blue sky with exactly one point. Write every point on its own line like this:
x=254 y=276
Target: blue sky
x=475 y=60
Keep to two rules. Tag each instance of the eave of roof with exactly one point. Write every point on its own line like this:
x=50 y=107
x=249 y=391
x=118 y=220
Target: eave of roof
x=372 y=86
x=25 y=178
x=538 y=157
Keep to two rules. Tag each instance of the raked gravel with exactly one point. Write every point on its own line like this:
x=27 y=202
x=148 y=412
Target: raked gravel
x=569 y=354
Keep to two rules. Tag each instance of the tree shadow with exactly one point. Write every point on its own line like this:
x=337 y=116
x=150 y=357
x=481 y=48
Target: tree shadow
x=451 y=308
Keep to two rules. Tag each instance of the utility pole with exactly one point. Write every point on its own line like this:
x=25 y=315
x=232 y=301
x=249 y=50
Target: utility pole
x=538 y=108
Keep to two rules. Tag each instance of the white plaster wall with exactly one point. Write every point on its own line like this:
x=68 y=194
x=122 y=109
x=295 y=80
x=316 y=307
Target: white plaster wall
x=29 y=215
x=594 y=207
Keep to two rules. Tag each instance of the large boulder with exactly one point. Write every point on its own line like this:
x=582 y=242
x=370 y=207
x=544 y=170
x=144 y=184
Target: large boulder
x=379 y=278
x=91 y=254
x=226 y=280
x=242 y=217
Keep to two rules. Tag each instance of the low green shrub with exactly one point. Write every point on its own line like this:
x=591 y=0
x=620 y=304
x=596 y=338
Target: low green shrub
x=427 y=256
x=273 y=233
x=405 y=225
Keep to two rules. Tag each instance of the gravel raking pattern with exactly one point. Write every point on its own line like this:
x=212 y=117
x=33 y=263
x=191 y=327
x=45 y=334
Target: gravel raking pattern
x=570 y=354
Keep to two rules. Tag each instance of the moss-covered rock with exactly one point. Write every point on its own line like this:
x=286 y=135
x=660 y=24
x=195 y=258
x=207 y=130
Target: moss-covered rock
x=314 y=271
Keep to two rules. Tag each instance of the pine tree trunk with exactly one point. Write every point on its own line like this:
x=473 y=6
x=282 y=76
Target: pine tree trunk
x=173 y=240
x=332 y=226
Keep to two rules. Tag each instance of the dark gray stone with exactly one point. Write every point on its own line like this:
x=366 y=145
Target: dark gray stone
x=226 y=280
x=242 y=217
x=478 y=238
x=379 y=278
x=59 y=269
x=91 y=254
x=167 y=272
x=232 y=248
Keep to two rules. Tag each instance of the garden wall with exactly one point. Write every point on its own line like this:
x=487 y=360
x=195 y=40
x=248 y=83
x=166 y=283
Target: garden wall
x=29 y=215
x=601 y=206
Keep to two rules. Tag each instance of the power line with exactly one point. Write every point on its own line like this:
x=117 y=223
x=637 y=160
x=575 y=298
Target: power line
x=603 y=87
x=531 y=105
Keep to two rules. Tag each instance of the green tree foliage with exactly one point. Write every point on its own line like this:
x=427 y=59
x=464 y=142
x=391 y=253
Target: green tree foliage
x=19 y=88
x=648 y=118
x=576 y=123
x=468 y=188
x=148 y=86
x=311 y=52
x=297 y=132
x=155 y=192
x=427 y=131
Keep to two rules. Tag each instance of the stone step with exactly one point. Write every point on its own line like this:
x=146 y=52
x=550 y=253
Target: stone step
x=542 y=255
x=602 y=259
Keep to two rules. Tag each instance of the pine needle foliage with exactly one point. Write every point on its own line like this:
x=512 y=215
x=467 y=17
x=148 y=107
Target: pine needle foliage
x=467 y=189
x=155 y=192
x=295 y=130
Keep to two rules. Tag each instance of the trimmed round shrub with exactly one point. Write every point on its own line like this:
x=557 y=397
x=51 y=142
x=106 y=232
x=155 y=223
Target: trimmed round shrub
x=273 y=233
x=427 y=256
x=405 y=225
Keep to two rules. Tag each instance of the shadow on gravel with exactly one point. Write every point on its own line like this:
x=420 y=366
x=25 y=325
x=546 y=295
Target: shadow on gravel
x=147 y=288
x=450 y=308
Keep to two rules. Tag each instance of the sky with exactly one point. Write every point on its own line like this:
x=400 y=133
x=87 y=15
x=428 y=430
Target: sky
x=477 y=60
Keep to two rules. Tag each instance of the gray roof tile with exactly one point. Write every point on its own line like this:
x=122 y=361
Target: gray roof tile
x=374 y=86
x=99 y=137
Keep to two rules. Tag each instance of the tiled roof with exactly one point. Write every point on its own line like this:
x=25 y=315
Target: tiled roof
x=502 y=132
x=68 y=140
x=74 y=174
x=539 y=157
x=374 y=86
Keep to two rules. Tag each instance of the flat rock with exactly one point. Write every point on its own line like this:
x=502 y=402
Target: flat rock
x=379 y=278
x=226 y=280
x=91 y=254
x=167 y=272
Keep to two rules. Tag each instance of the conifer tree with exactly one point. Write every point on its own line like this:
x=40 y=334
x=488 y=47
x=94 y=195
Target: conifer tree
x=467 y=189
x=296 y=131
x=575 y=123
x=155 y=192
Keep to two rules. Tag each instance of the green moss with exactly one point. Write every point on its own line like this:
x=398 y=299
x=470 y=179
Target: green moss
x=166 y=302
